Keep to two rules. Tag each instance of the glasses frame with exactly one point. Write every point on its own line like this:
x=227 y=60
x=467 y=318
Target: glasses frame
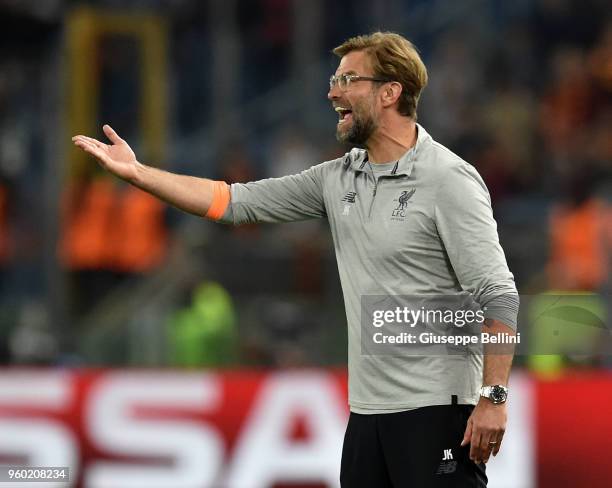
x=344 y=81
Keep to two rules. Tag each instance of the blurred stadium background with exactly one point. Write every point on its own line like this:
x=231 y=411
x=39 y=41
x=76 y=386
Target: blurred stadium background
x=145 y=347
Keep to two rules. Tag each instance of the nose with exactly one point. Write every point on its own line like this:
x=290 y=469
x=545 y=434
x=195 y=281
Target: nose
x=333 y=93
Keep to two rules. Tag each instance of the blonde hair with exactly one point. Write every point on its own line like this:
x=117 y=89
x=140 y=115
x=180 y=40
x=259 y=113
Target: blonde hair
x=393 y=58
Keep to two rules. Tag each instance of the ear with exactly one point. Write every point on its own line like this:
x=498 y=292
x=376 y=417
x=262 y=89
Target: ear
x=390 y=93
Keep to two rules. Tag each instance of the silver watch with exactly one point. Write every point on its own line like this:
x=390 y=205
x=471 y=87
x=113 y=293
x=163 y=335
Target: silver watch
x=495 y=393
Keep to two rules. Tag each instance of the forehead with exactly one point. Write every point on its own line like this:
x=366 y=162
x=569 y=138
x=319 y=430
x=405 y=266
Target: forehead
x=354 y=62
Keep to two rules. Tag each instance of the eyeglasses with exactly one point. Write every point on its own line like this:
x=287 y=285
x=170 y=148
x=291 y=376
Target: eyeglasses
x=344 y=81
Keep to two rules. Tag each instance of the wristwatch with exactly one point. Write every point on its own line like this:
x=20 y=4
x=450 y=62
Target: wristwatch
x=495 y=393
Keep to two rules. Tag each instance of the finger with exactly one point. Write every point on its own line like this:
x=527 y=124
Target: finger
x=486 y=453
x=85 y=138
x=475 y=446
x=93 y=141
x=497 y=446
x=494 y=442
x=78 y=138
x=486 y=447
x=482 y=447
x=467 y=435
x=81 y=139
x=83 y=144
x=89 y=141
x=93 y=150
x=86 y=146
x=483 y=451
x=111 y=134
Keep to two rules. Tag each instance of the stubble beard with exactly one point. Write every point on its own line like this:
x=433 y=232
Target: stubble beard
x=362 y=127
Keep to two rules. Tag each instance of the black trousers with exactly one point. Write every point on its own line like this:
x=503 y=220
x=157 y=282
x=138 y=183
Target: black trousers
x=414 y=449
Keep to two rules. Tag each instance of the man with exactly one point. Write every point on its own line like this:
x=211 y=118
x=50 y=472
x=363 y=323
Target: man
x=407 y=217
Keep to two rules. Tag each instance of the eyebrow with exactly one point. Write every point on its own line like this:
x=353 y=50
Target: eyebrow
x=349 y=72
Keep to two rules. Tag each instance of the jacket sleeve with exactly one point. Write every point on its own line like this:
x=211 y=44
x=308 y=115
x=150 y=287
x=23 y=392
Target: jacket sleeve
x=465 y=223
x=287 y=199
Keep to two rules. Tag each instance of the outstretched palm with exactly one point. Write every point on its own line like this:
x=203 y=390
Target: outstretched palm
x=118 y=158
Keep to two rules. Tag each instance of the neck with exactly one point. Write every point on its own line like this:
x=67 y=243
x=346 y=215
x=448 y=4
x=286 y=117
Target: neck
x=391 y=139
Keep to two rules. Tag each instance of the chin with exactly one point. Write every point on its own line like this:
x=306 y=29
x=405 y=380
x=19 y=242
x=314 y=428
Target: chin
x=342 y=136
x=349 y=137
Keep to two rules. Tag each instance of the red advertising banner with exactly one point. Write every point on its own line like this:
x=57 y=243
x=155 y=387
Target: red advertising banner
x=173 y=429
x=169 y=429
x=574 y=430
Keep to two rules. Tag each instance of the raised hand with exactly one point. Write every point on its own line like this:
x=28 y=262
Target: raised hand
x=118 y=157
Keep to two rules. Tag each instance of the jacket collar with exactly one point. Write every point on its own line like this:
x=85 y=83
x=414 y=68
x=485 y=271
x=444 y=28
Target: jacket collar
x=403 y=167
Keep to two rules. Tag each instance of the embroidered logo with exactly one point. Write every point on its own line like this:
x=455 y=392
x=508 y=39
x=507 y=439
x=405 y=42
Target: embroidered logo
x=399 y=212
x=349 y=197
x=447 y=466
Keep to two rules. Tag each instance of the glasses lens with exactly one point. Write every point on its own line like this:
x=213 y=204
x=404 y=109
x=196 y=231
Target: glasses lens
x=344 y=81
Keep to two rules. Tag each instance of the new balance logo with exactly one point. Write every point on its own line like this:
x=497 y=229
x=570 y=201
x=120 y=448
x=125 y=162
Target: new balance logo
x=447 y=467
x=349 y=197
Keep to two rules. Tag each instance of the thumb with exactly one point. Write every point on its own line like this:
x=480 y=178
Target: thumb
x=111 y=134
x=468 y=434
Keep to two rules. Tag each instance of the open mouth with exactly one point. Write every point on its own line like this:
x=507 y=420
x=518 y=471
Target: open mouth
x=344 y=114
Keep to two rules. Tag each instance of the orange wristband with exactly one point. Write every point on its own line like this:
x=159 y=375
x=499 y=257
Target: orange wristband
x=220 y=200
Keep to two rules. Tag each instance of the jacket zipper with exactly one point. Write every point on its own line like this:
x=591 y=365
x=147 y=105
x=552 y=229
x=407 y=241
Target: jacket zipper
x=373 y=196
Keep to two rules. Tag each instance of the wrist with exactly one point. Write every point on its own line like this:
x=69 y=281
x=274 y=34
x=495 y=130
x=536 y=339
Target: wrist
x=496 y=394
x=138 y=176
x=485 y=403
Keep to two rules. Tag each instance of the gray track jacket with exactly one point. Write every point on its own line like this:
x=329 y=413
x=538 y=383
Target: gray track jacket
x=421 y=225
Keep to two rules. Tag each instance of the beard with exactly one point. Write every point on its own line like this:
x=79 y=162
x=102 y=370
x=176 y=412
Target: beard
x=362 y=127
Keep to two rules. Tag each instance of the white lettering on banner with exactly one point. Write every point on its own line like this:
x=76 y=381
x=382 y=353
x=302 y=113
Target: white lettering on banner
x=266 y=455
x=196 y=450
x=40 y=441
x=265 y=452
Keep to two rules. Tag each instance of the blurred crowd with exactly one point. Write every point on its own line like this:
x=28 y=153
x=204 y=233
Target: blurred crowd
x=522 y=90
